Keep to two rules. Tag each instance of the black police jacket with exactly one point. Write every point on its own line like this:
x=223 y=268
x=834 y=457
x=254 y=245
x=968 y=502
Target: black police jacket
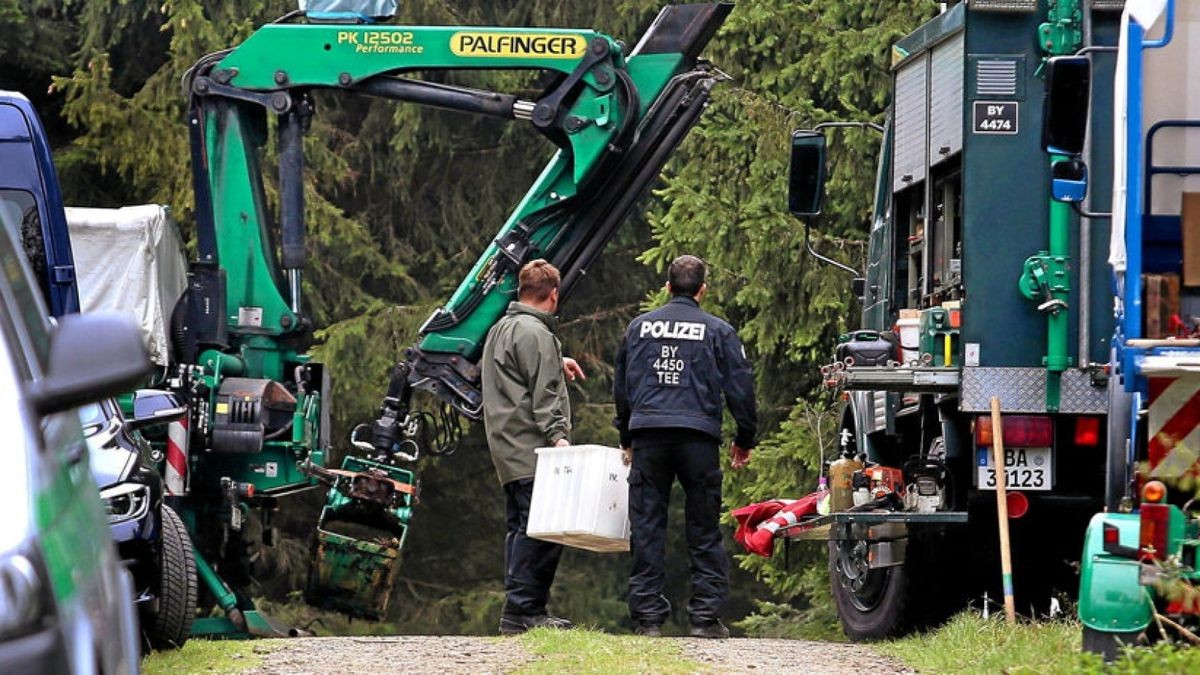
x=674 y=366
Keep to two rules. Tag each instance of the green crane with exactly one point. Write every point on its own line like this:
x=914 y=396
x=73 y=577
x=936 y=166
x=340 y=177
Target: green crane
x=259 y=427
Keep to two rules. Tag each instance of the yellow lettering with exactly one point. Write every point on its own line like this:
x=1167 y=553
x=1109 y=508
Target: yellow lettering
x=518 y=45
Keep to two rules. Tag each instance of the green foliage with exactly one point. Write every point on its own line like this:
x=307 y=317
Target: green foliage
x=777 y=620
x=793 y=64
x=972 y=644
x=1160 y=659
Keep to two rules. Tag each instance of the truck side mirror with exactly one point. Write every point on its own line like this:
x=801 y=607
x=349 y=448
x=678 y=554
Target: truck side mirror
x=1068 y=98
x=806 y=176
x=1069 y=181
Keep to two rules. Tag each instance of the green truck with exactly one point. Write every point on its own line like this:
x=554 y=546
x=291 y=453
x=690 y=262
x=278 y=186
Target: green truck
x=977 y=285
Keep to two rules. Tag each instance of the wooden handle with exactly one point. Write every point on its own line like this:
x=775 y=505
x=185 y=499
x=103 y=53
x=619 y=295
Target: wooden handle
x=1010 y=606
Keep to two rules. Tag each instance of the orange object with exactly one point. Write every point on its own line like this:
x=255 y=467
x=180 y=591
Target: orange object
x=1154 y=492
x=841 y=490
x=884 y=479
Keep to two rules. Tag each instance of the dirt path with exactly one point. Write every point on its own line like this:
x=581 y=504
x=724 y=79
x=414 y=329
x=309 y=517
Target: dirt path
x=455 y=655
x=787 y=656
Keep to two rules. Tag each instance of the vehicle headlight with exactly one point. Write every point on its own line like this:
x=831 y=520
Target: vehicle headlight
x=127 y=501
x=22 y=595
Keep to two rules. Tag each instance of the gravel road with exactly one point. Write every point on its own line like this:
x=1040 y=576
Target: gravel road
x=455 y=655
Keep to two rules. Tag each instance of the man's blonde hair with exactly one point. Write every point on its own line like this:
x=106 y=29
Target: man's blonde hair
x=537 y=280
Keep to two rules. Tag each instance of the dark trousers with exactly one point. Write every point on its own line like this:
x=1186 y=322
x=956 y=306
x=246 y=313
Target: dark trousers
x=658 y=459
x=529 y=564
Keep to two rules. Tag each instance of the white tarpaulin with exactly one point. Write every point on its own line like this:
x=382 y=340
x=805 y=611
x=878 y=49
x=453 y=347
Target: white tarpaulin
x=130 y=260
x=1158 y=84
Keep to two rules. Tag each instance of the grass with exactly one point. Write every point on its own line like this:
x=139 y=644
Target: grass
x=590 y=651
x=206 y=656
x=971 y=644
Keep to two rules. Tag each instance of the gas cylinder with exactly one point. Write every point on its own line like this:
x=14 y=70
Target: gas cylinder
x=841 y=491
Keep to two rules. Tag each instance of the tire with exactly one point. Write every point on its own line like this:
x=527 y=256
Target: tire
x=1108 y=645
x=168 y=626
x=1116 y=470
x=872 y=604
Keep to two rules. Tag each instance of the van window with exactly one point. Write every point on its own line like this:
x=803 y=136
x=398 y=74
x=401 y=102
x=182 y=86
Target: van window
x=18 y=207
x=30 y=310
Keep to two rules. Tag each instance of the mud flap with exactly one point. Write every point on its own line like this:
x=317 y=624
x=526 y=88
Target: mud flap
x=1111 y=597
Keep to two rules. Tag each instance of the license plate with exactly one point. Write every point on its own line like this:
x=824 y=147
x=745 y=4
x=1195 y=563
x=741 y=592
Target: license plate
x=1024 y=469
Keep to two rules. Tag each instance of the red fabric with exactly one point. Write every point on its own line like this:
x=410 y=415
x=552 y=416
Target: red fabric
x=759 y=523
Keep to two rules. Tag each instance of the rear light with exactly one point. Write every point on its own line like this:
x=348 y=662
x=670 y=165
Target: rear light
x=955 y=318
x=1112 y=543
x=1152 y=540
x=1018 y=504
x=1020 y=431
x=1154 y=492
x=1112 y=536
x=1087 y=431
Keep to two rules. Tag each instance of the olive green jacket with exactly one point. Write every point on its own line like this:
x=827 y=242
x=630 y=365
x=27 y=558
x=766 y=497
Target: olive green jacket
x=525 y=403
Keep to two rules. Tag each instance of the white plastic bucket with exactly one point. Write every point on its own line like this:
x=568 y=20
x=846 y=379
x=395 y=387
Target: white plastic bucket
x=581 y=498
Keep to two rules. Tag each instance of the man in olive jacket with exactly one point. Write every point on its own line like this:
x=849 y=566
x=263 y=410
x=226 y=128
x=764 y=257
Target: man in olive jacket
x=525 y=406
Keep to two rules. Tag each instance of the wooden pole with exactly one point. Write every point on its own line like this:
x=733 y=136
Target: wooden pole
x=1010 y=604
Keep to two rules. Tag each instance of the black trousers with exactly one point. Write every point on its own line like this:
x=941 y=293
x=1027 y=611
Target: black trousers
x=659 y=457
x=529 y=564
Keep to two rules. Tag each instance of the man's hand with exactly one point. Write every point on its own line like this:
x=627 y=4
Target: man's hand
x=561 y=443
x=627 y=456
x=739 y=456
x=572 y=370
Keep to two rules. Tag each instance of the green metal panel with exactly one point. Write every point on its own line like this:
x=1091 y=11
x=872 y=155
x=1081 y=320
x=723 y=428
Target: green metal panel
x=340 y=55
x=366 y=51
x=235 y=133
x=1005 y=191
x=1110 y=597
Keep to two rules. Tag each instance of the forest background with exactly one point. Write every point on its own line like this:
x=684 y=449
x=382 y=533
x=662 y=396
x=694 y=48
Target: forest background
x=402 y=199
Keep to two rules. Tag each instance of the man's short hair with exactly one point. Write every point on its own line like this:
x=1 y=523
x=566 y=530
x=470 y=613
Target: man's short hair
x=686 y=275
x=537 y=280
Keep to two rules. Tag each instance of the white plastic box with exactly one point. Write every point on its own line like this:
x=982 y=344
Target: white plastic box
x=581 y=498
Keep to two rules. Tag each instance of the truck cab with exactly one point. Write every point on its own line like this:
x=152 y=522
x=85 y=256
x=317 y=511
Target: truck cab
x=30 y=196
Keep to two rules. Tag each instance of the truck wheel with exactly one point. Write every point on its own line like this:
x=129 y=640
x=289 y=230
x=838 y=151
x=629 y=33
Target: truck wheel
x=871 y=603
x=168 y=625
x=1108 y=645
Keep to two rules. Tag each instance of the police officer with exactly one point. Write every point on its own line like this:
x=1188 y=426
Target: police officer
x=675 y=365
